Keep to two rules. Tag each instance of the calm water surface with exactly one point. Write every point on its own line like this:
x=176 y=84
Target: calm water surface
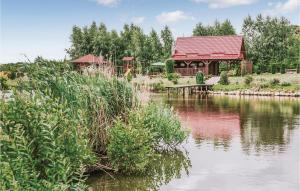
x=234 y=144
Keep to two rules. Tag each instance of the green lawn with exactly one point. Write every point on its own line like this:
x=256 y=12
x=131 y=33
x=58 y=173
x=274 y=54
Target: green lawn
x=262 y=82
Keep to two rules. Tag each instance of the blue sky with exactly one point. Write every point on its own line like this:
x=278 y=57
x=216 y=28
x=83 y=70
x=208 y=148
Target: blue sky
x=43 y=27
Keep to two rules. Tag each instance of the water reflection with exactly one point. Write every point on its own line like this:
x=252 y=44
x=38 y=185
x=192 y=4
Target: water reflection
x=236 y=143
x=165 y=167
x=261 y=123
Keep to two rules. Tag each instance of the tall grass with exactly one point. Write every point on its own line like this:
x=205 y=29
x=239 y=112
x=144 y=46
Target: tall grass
x=60 y=122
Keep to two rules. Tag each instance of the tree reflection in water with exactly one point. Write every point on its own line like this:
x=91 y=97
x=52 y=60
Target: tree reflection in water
x=262 y=123
x=166 y=166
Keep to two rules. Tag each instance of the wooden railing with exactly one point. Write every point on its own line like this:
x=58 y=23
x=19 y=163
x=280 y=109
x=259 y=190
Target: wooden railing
x=188 y=71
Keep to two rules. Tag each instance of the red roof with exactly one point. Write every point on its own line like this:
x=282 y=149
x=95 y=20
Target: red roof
x=128 y=58
x=90 y=59
x=209 y=48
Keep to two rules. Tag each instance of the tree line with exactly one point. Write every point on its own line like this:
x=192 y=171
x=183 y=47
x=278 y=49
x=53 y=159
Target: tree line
x=269 y=41
x=131 y=41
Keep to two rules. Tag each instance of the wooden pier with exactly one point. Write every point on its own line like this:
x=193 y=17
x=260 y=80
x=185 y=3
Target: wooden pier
x=190 y=88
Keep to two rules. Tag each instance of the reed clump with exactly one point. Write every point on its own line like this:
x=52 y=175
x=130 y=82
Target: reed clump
x=60 y=122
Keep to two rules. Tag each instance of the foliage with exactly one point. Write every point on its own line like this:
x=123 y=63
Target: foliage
x=130 y=148
x=173 y=77
x=157 y=86
x=282 y=68
x=224 y=78
x=167 y=39
x=169 y=66
x=164 y=126
x=271 y=41
x=200 y=78
x=132 y=145
x=285 y=84
x=273 y=68
x=58 y=126
x=3 y=83
x=274 y=81
x=131 y=41
x=218 y=29
x=248 y=79
x=43 y=145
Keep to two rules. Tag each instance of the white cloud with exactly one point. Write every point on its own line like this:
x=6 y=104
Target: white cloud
x=215 y=4
x=109 y=3
x=138 y=20
x=172 y=17
x=282 y=8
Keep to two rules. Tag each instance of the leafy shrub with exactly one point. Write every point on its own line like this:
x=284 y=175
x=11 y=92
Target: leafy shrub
x=149 y=128
x=231 y=72
x=248 y=79
x=164 y=125
x=282 y=68
x=285 y=84
x=257 y=69
x=129 y=147
x=224 y=78
x=200 y=78
x=157 y=87
x=169 y=66
x=274 y=81
x=43 y=145
x=173 y=76
x=298 y=68
x=273 y=68
x=3 y=83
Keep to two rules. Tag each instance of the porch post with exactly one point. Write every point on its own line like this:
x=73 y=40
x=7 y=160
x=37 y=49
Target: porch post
x=206 y=67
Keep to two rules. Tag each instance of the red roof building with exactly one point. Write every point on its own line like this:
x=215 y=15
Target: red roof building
x=91 y=60
x=204 y=53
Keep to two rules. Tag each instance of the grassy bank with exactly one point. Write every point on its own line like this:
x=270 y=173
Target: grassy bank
x=262 y=82
x=61 y=123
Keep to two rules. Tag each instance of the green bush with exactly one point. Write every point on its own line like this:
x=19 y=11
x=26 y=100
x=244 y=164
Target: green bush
x=173 y=76
x=49 y=140
x=148 y=129
x=157 y=86
x=169 y=66
x=298 y=68
x=224 y=78
x=164 y=125
x=274 y=81
x=200 y=78
x=129 y=148
x=3 y=83
x=285 y=84
x=43 y=147
x=273 y=68
x=282 y=68
x=248 y=79
x=257 y=69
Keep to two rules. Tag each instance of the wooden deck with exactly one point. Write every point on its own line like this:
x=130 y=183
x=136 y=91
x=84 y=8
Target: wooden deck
x=190 y=88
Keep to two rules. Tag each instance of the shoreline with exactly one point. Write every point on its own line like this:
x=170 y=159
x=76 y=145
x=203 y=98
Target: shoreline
x=256 y=93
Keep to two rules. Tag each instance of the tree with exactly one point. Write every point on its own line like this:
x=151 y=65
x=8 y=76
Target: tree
x=155 y=46
x=76 y=43
x=167 y=39
x=218 y=29
x=226 y=28
x=267 y=40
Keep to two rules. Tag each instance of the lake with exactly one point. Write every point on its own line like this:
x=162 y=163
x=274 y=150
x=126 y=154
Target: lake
x=234 y=143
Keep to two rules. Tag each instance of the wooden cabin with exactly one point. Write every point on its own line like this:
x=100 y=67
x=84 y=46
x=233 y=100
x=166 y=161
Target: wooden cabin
x=205 y=53
x=96 y=62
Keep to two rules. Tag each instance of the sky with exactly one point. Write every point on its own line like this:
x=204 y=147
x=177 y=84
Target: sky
x=31 y=28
